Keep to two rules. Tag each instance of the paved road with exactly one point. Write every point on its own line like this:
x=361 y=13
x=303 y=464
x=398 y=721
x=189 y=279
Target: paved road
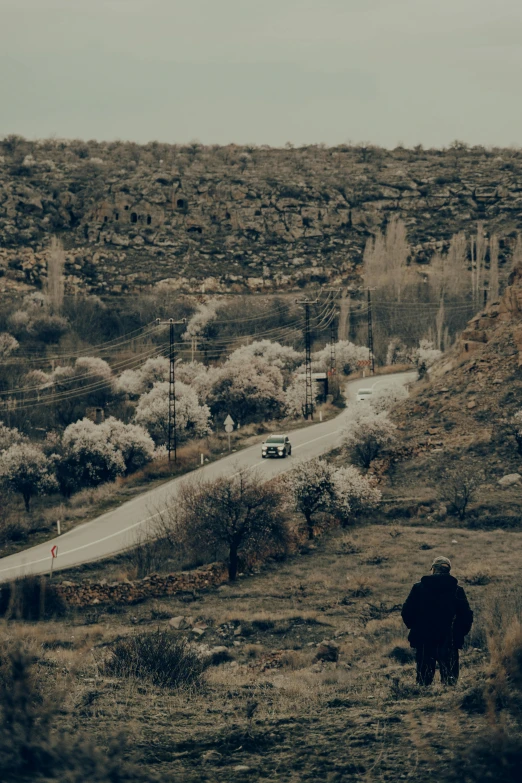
x=117 y=530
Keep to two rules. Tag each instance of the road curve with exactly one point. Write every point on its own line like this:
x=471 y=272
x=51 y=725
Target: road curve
x=117 y=530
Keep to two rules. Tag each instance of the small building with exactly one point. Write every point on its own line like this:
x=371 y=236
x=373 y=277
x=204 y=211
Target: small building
x=321 y=381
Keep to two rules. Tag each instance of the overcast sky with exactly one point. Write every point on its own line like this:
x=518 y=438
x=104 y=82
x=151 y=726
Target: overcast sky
x=263 y=71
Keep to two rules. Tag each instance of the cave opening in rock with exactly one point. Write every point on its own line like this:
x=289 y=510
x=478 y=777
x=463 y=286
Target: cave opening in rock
x=134 y=217
x=149 y=220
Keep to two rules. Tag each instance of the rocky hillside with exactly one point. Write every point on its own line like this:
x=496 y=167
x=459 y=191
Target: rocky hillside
x=463 y=414
x=235 y=218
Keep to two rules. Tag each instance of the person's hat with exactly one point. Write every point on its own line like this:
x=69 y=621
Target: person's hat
x=441 y=563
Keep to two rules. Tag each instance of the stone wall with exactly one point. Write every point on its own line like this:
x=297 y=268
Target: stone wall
x=93 y=593
x=235 y=219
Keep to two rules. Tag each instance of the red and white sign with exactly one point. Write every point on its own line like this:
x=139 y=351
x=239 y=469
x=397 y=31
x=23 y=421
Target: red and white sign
x=364 y=362
x=54 y=551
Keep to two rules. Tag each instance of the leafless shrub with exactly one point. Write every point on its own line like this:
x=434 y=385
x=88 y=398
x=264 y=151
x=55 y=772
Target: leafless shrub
x=159 y=657
x=238 y=513
x=458 y=487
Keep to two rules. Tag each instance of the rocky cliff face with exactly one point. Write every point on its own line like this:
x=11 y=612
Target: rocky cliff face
x=464 y=411
x=233 y=218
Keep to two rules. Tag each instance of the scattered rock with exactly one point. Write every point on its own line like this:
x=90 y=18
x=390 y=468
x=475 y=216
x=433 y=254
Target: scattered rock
x=510 y=479
x=178 y=623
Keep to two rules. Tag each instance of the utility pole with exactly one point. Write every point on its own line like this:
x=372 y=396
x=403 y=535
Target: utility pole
x=332 y=346
x=309 y=393
x=172 y=435
x=370 y=333
x=194 y=347
x=333 y=368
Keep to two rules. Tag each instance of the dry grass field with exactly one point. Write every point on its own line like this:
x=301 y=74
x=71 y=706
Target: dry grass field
x=267 y=709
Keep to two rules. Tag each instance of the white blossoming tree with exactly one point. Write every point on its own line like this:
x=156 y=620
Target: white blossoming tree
x=311 y=488
x=346 y=357
x=137 y=382
x=295 y=397
x=273 y=353
x=8 y=344
x=353 y=494
x=316 y=486
x=192 y=419
x=386 y=397
x=250 y=391
x=89 y=382
x=367 y=434
x=26 y=470
x=88 y=457
x=9 y=436
x=132 y=441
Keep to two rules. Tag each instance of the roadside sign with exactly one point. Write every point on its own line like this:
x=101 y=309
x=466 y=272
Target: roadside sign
x=364 y=363
x=229 y=427
x=54 y=555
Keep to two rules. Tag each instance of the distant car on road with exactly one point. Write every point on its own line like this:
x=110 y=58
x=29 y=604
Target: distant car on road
x=364 y=394
x=276 y=446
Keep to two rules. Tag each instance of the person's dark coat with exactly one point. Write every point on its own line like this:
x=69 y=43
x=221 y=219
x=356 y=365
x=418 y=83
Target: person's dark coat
x=437 y=611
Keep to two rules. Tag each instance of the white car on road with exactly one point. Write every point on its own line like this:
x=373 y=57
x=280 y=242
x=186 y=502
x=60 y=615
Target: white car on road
x=364 y=394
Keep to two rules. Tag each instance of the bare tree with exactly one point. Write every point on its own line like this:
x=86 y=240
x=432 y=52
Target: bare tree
x=479 y=246
x=459 y=487
x=238 y=512
x=516 y=258
x=439 y=326
x=493 y=284
x=54 y=286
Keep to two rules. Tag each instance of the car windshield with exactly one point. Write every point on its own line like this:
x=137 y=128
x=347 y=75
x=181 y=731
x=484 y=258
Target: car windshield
x=276 y=439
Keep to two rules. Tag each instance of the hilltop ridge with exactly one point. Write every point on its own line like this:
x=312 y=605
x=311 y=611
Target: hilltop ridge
x=237 y=218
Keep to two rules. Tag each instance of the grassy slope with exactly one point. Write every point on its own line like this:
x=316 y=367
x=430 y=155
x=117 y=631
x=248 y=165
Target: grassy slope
x=360 y=718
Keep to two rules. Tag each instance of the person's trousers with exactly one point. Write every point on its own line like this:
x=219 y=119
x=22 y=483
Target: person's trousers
x=446 y=655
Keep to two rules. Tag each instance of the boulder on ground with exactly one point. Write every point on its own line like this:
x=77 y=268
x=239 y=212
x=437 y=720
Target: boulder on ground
x=178 y=623
x=510 y=480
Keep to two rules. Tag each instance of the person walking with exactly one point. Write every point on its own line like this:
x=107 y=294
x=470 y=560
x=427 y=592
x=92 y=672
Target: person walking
x=438 y=615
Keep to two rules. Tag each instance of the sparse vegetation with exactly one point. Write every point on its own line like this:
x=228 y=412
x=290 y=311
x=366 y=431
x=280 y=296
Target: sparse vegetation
x=159 y=657
x=267 y=698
